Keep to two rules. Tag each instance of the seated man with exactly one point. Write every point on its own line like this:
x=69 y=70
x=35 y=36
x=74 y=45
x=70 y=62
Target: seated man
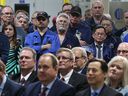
x=66 y=73
x=96 y=74
x=7 y=86
x=80 y=59
x=49 y=84
x=100 y=48
x=27 y=62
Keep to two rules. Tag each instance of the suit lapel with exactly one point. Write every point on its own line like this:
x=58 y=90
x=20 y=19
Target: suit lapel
x=5 y=91
x=72 y=79
x=32 y=77
x=54 y=88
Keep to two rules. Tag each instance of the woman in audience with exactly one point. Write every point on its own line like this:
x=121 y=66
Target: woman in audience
x=118 y=74
x=12 y=66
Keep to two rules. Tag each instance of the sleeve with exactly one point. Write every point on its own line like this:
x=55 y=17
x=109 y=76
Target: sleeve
x=55 y=44
x=4 y=48
x=33 y=42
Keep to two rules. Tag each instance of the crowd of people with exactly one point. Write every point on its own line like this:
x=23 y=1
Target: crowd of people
x=78 y=56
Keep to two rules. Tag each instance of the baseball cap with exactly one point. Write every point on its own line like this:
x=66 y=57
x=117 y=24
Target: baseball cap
x=76 y=10
x=42 y=15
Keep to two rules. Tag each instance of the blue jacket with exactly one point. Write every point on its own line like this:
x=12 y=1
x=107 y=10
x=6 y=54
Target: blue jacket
x=35 y=41
x=107 y=51
x=125 y=38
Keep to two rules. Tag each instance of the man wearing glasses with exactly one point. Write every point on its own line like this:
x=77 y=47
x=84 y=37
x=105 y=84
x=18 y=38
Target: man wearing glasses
x=66 y=73
x=7 y=15
x=81 y=59
x=42 y=40
x=122 y=49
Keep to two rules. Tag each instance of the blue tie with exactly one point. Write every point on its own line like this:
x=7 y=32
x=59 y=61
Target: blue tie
x=95 y=94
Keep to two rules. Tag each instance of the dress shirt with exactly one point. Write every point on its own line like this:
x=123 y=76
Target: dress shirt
x=25 y=77
x=48 y=86
x=97 y=91
x=2 y=84
x=67 y=76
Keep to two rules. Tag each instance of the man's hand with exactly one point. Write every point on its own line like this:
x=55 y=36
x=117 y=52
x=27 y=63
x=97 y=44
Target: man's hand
x=46 y=46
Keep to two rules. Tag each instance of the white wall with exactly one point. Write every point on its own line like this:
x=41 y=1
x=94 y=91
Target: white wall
x=52 y=7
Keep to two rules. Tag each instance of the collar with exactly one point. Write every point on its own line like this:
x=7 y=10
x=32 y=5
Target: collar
x=97 y=91
x=3 y=82
x=67 y=76
x=25 y=77
x=49 y=85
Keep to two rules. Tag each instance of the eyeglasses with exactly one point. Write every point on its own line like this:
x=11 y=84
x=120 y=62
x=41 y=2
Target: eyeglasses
x=41 y=18
x=101 y=34
x=63 y=57
x=78 y=58
x=123 y=51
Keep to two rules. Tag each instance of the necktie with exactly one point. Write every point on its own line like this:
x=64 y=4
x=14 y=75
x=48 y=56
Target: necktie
x=95 y=94
x=22 y=81
x=62 y=78
x=43 y=93
x=99 y=50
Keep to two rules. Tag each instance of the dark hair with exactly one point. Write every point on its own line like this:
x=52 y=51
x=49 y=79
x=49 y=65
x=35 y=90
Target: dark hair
x=98 y=27
x=104 y=66
x=14 y=38
x=66 y=5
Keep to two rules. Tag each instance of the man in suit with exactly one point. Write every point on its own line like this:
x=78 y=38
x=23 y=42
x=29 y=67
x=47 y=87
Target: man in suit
x=96 y=74
x=7 y=86
x=47 y=74
x=99 y=48
x=80 y=59
x=27 y=61
x=66 y=73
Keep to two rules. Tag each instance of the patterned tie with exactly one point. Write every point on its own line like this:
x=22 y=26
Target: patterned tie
x=99 y=50
x=22 y=81
x=43 y=93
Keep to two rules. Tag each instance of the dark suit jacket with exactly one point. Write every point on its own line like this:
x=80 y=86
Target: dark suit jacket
x=11 y=88
x=78 y=81
x=84 y=70
x=32 y=78
x=108 y=52
x=70 y=41
x=58 y=89
x=105 y=91
x=4 y=47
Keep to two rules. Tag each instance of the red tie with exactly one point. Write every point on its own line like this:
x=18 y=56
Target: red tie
x=43 y=93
